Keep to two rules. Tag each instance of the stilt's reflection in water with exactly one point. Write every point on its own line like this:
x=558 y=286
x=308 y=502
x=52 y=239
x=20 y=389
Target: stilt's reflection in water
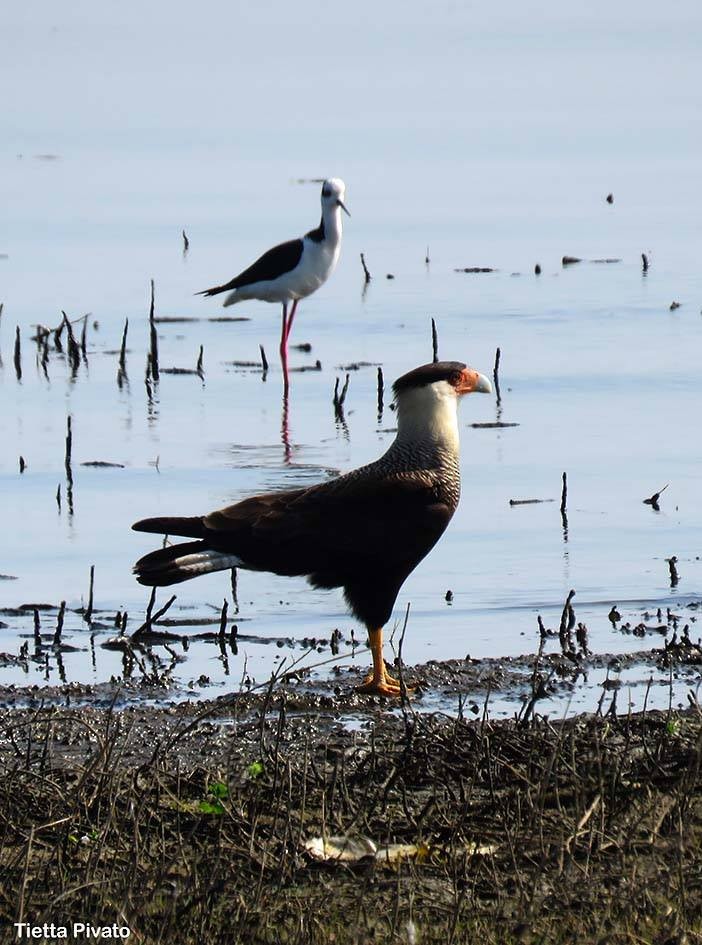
x=285 y=427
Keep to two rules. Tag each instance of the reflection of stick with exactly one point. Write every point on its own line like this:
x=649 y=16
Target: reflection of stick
x=223 y=620
x=60 y=667
x=234 y=591
x=67 y=462
x=45 y=356
x=673 y=571
x=644 y=262
x=18 y=355
x=366 y=274
x=147 y=380
x=88 y=615
x=69 y=446
x=434 y=342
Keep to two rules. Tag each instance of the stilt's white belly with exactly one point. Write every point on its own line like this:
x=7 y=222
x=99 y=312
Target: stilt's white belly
x=316 y=265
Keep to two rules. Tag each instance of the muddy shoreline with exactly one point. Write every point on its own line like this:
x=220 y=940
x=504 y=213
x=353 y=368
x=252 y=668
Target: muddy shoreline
x=459 y=683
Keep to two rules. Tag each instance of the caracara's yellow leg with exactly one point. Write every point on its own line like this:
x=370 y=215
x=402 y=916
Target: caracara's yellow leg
x=379 y=682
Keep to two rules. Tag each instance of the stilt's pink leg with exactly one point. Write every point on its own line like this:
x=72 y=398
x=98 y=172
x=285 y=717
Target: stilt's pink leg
x=288 y=327
x=284 y=348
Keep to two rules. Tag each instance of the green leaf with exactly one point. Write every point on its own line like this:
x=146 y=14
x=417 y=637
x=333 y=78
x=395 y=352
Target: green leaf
x=255 y=769
x=211 y=807
x=218 y=789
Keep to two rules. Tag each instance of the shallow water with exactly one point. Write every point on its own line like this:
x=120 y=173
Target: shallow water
x=492 y=138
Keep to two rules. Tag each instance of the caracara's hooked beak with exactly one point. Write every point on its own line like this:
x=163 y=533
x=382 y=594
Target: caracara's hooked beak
x=472 y=382
x=341 y=204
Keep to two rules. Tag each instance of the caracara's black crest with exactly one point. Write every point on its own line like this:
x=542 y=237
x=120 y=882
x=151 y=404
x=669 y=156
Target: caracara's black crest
x=428 y=374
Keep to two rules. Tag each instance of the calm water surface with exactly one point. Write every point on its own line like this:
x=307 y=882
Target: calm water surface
x=490 y=137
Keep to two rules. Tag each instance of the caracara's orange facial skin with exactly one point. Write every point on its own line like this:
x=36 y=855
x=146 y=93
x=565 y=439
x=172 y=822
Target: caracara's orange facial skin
x=467 y=381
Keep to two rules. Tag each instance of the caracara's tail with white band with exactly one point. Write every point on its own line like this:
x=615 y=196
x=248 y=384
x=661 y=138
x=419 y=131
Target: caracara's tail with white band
x=181 y=562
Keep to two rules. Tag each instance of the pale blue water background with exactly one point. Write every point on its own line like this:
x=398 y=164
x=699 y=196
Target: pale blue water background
x=492 y=136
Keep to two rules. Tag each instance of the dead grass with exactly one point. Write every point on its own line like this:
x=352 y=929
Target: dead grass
x=193 y=833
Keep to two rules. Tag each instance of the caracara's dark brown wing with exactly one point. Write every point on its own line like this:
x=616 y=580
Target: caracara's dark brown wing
x=365 y=534
x=313 y=531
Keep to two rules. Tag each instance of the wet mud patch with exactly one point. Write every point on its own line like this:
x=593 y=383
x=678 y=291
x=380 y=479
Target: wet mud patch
x=311 y=673
x=160 y=657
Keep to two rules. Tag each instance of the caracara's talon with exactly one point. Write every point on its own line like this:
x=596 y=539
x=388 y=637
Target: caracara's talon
x=379 y=689
x=390 y=680
x=386 y=686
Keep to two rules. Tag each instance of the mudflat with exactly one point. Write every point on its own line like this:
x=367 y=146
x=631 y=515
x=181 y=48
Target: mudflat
x=269 y=817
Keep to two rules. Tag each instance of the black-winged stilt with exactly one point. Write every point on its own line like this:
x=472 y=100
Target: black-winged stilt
x=293 y=270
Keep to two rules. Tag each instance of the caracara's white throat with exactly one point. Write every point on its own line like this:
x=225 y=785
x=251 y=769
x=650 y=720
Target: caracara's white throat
x=428 y=415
